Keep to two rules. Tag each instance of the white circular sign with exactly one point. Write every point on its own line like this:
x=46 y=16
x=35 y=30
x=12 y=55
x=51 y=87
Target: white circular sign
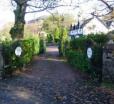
x=89 y=52
x=18 y=51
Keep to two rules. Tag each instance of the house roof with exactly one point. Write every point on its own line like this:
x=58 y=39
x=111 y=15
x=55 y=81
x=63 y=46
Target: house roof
x=85 y=22
x=75 y=26
x=107 y=24
x=81 y=24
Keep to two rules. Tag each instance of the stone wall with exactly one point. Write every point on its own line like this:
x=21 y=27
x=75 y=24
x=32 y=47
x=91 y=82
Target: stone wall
x=108 y=63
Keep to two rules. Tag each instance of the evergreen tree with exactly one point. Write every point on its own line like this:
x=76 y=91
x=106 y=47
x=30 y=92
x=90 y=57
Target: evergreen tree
x=57 y=34
x=62 y=42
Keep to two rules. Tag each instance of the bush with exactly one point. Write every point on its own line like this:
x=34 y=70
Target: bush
x=78 y=60
x=63 y=41
x=99 y=39
x=29 y=47
x=49 y=38
x=78 y=43
x=36 y=45
x=77 y=53
x=42 y=45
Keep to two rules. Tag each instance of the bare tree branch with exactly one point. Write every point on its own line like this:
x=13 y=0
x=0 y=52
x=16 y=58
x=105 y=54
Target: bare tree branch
x=106 y=3
x=106 y=8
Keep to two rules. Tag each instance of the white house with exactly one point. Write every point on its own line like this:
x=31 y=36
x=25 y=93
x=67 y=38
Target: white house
x=93 y=25
x=76 y=30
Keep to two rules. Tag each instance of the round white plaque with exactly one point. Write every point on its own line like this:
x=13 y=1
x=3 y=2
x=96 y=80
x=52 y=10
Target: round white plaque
x=89 y=52
x=18 y=51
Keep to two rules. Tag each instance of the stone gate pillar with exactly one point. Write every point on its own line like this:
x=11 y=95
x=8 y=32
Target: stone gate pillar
x=108 y=63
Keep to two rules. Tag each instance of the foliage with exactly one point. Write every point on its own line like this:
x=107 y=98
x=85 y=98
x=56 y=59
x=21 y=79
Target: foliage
x=57 y=34
x=92 y=39
x=29 y=47
x=42 y=45
x=53 y=24
x=7 y=52
x=36 y=45
x=49 y=38
x=78 y=60
x=99 y=39
x=77 y=53
x=78 y=44
x=63 y=41
x=21 y=7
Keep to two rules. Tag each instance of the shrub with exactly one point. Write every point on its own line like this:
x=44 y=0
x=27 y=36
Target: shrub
x=78 y=43
x=99 y=39
x=78 y=60
x=36 y=45
x=63 y=41
x=49 y=38
x=29 y=47
x=77 y=53
x=42 y=45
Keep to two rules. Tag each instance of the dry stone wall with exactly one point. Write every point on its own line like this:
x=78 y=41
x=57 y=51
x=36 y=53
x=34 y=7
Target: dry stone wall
x=108 y=63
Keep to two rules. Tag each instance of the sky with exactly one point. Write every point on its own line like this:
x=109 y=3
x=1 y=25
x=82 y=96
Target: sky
x=7 y=15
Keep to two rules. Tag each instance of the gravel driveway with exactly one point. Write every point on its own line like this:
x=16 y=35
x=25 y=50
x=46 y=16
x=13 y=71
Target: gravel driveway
x=50 y=80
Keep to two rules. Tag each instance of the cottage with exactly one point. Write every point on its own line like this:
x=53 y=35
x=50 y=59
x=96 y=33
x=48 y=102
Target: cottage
x=91 y=26
x=76 y=30
x=96 y=25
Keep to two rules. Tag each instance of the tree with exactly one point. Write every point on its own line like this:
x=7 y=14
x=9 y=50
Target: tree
x=54 y=23
x=62 y=41
x=65 y=34
x=106 y=9
x=101 y=8
x=28 y=6
x=57 y=34
x=22 y=7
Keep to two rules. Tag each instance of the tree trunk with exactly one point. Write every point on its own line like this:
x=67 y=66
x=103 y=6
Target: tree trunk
x=17 y=31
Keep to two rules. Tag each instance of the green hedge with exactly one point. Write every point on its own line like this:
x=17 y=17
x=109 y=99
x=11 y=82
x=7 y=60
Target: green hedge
x=78 y=60
x=30 y=47
x=77 y=53
x=42 y=48
x=63 y=41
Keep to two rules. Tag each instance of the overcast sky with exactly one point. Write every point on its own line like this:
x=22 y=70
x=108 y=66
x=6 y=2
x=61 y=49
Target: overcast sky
x=6 y=12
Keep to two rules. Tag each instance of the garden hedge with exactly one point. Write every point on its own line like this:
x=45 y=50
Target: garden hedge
x=30 y=47
x=77 y=53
